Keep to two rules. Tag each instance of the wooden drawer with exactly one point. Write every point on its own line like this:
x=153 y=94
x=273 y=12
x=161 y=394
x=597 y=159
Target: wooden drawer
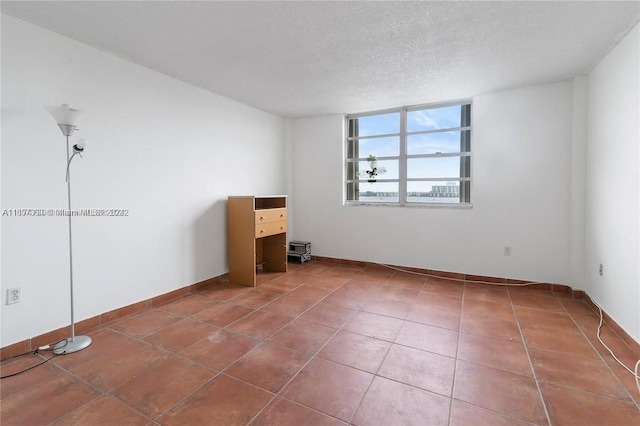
x=270 y=215
x=271 y=228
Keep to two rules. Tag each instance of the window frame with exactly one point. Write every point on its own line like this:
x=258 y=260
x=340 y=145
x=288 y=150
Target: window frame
x=403 y=157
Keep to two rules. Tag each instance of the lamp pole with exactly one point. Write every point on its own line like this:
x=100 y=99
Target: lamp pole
x=73 y=324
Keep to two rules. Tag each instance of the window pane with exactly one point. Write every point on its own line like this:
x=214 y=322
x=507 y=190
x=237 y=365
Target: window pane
x=435 y=143
x=375 y=125
x=437 y=167
x=378 y=147
x=379 y=192
x=437 y=192
x=434 y=118
x=385 y=169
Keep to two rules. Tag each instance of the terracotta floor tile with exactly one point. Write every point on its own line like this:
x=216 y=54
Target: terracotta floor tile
x=418 y=368
x=434 y=316
x=111 y=370
x=444 y=287
x=220 y=349
x=388 y=307
x=361 y=352
x=373 y=325
x=254 y=299
x=439 y=301
x=428 y=338
x=328 y=387
x=103 y=411
x=349 y=298
x=316 y=268
x=498 y=353
x=494 y=389
x=222 y=314
x=188 y=305
x=284 y=412
x=327 y=314
x=407 y=280
x=587 y=323
x=259 y=325
x=290 y=306
x=296 y=277
x=268 y=366
x=34 y=377
x=463 y=414
x=345 y=272
x=590 y=375
x=530 y=290
x=627 y=379
x=224 y=291
x=486 y=293
x=181 y=334
x=485 y=326
x=375 y=276
x=158 y=388
x=309 y=291
x=364 y=286
x=303 y=336
x=223 y=401
x=397 y=293
x=279 y=286
x=47 y=402
x=575 y=307
x=567 y=341
x=575 y=407
x=540 y=302
x=329 y=281
x=263 y=277
x=488 y=309
x=391 y=403
x=396 y=342
x=543 y=317
x=145 y=323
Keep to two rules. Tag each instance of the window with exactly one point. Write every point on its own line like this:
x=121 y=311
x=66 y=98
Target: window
x=419 y=155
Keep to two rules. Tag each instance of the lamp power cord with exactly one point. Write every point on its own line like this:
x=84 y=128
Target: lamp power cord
x=44 y=348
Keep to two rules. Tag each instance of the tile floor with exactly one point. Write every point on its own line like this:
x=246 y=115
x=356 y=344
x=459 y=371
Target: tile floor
x=328 y=344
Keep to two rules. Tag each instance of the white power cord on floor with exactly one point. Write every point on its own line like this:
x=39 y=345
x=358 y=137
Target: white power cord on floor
x=633 y=372
x=456 y=279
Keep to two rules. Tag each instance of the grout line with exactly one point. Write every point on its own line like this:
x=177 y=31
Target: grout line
x=455 y=364
x=533 y=372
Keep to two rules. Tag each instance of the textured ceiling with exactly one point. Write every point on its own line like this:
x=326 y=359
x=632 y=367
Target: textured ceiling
x=310 y=58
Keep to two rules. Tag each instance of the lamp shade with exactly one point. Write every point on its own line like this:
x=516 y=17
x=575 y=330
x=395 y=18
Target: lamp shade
x=64 y=114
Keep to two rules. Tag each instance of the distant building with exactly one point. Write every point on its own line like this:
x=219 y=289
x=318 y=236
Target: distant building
x=451 y=189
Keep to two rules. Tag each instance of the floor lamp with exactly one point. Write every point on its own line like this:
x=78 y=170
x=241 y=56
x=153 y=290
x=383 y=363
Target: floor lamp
x=67 y=118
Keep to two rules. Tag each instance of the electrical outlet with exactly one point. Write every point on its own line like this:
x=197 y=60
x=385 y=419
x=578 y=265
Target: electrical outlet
x=601 y=270
x=507 y=250
x=14 y=295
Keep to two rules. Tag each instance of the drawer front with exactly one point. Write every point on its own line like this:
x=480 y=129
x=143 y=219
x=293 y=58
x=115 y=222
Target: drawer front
x=270 y=215
x=271 y=228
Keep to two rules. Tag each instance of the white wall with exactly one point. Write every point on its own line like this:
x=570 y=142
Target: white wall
x=613 y=190
x=168 y=152
x=521 y=195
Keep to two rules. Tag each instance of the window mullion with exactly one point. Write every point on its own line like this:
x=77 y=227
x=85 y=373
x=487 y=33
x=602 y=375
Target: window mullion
x=402 y=166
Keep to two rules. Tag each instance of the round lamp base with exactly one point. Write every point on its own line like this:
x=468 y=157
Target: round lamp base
x=69 y=346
